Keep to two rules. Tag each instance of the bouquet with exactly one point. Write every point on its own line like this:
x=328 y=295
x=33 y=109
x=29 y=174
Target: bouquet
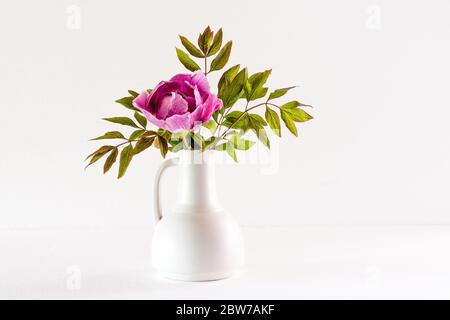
x=170 y=117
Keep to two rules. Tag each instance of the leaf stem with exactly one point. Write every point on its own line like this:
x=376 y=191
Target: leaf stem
x=247 y=110
x=225 y=114
x=246 y=106
x=273 y=105
x=128 y=141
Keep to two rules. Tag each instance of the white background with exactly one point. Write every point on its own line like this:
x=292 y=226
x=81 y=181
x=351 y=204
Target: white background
x=377 y=73
x=377 y=152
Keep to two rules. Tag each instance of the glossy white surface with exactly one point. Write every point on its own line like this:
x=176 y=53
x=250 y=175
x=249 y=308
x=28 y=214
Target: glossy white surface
x=282 y=263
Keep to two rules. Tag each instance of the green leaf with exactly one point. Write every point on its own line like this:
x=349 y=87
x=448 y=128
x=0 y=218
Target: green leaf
x=136 y=134
x=191 y=48
x=290 y=124
x=216 y=44
x=123 y=121
x=127 y=102
x=110 y=160
x=176 y=141
x=133 y=93
x=194 y=141
x=235 y=90
x=237 y=120
x=96 y=155
x=260 y=93
x=256 y=83
x=211 y=125
x=216 y=114
x=228 y=147
x=186 y=61
x=298 y=115
x=103 y=149
x=234 y=115
x=231 y=152
x=162 y=145
x=259 y=79
x=262 y=136
x=209 y=142
x=231 y=133
x=198 y=140
x=290 y=105
x=110 y=135
x=222 y=57
x=95 y=158
x=205 y=39
x=221 y=147
x=142 y=120
x=240 y=143
x=226 y=78
x=148 y=133
x=125 y=158
x=176 y=136
x=256 y=125
x=143 y=144
x=258 y=118
x=279 y=93
x=273 y=120
x=176 y=146
x=165 y=134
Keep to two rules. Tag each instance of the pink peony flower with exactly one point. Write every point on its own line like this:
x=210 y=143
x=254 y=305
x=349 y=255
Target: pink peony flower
x=182 y=103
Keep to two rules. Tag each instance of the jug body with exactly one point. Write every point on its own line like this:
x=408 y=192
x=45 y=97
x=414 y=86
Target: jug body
x=198 y=240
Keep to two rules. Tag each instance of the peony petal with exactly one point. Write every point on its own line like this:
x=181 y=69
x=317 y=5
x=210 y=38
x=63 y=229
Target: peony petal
x=183 y=83
x=179 y=122
x=162 y=90
x=196 y=125
x=183 y=103
x=181 y=78
x=187 y=82
x=179 y=105
x=199 y=80
x=170 y=105
x=198 y=98
x=141 y=102
x=191 y=103
x=211 y=105
x=152 y=119
x=164 y=106
x=196 y=115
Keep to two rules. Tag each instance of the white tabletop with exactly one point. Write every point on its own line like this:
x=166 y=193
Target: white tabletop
x=308 y=262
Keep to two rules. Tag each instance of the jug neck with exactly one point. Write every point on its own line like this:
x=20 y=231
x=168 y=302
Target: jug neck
x=197 y=183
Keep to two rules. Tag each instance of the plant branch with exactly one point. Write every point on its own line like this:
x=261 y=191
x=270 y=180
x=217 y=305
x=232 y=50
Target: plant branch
x=247 y=110
x=273 y=105
x=128 y=141
x=225 y=114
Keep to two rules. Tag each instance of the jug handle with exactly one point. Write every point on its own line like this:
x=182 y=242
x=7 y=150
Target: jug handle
x=156 y=189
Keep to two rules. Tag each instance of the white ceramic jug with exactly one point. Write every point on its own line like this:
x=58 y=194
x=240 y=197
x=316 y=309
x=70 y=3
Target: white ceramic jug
x=197 y=240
